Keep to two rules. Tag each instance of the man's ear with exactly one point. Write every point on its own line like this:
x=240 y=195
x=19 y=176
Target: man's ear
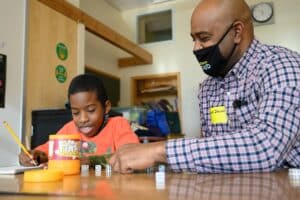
x=107 y=106
x=238 y=27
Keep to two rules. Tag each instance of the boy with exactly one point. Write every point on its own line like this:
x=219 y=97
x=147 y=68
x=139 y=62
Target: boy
x=90 y=106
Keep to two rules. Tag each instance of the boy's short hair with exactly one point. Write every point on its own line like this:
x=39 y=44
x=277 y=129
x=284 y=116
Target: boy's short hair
x=88 y=83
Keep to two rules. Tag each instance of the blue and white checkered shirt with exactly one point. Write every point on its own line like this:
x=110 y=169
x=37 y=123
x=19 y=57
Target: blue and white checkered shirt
x=261 y=95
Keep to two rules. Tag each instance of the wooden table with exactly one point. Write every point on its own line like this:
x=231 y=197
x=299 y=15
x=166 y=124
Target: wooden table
x=182 y=186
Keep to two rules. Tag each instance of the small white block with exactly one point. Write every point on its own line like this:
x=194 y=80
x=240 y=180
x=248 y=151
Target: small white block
x=98 y=170
x=85 y=168
x=149 y=170
x=294 y=177
x=161 y=168
x=160 y=180
x=108 y=170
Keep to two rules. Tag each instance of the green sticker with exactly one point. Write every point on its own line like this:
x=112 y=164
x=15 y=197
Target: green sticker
x=62 y=51
x=61 y=74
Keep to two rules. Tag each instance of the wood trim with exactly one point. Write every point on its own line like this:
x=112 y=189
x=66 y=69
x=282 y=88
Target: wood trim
x=130 y=61
x=140 y=56
x=159 y=75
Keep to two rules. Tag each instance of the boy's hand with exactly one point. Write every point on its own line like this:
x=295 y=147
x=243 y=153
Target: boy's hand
x=38 y=156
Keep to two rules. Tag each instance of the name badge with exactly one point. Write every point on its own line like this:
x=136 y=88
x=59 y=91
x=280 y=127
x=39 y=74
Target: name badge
x=218 y=115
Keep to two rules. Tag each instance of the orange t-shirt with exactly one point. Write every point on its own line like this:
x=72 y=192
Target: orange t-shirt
x=116 y=132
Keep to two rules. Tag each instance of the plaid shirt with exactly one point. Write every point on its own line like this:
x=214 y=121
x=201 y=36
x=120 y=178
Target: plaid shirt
x=262 y=132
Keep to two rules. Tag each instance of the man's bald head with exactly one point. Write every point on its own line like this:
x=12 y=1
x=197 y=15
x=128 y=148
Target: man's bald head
x=229 y=9
x=221 y=12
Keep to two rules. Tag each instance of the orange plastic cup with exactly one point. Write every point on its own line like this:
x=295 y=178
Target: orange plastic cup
x=64 y=151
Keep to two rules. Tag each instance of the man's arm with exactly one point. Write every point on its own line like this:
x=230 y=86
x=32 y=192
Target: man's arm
x=262 y=145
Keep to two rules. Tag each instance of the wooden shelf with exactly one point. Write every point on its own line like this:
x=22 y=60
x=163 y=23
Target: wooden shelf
x=155 y=87
x=157 y=93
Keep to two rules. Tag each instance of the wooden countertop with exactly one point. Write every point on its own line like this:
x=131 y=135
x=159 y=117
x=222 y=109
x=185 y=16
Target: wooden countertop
x=277 y=185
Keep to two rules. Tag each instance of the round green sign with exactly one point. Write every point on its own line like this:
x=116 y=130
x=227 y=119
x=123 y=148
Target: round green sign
x=61 y=74
x=62 y=51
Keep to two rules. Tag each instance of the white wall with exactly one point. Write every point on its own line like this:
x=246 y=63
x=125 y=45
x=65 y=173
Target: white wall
x=171 y=56
x=12 y=43
x=286 y=29
x=99 y=53
x=176 y=55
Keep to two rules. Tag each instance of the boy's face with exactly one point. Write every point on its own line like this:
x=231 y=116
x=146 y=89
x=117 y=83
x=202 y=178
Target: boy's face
x=87 y=112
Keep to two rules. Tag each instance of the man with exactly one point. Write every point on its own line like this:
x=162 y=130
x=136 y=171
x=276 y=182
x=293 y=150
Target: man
x=249 y=104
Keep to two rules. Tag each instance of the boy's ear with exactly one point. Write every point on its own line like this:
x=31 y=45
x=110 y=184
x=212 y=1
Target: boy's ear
x=107 y=106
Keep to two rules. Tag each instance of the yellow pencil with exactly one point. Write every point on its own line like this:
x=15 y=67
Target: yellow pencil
x=13 y=134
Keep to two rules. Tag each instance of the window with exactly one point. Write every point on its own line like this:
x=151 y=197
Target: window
x=155 y=27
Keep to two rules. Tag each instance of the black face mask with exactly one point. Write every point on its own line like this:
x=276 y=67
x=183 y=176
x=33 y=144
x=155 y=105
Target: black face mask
x=212 y=61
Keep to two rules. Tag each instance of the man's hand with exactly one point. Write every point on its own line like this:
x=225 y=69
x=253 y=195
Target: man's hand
x=131 y=157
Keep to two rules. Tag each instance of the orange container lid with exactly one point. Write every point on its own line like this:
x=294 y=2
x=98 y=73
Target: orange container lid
x=65 y=136
x=44 y=175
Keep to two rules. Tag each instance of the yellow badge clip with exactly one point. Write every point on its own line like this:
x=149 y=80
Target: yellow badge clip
x=218 y=115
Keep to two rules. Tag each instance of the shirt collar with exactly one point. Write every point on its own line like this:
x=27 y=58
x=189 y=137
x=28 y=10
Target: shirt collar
x=242 y=66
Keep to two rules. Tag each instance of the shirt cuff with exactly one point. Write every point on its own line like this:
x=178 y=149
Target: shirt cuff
x=179 y=155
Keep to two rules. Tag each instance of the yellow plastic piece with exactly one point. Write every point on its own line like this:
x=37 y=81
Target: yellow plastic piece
x=65 y=136
x=43 y=175
x=69 y=167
